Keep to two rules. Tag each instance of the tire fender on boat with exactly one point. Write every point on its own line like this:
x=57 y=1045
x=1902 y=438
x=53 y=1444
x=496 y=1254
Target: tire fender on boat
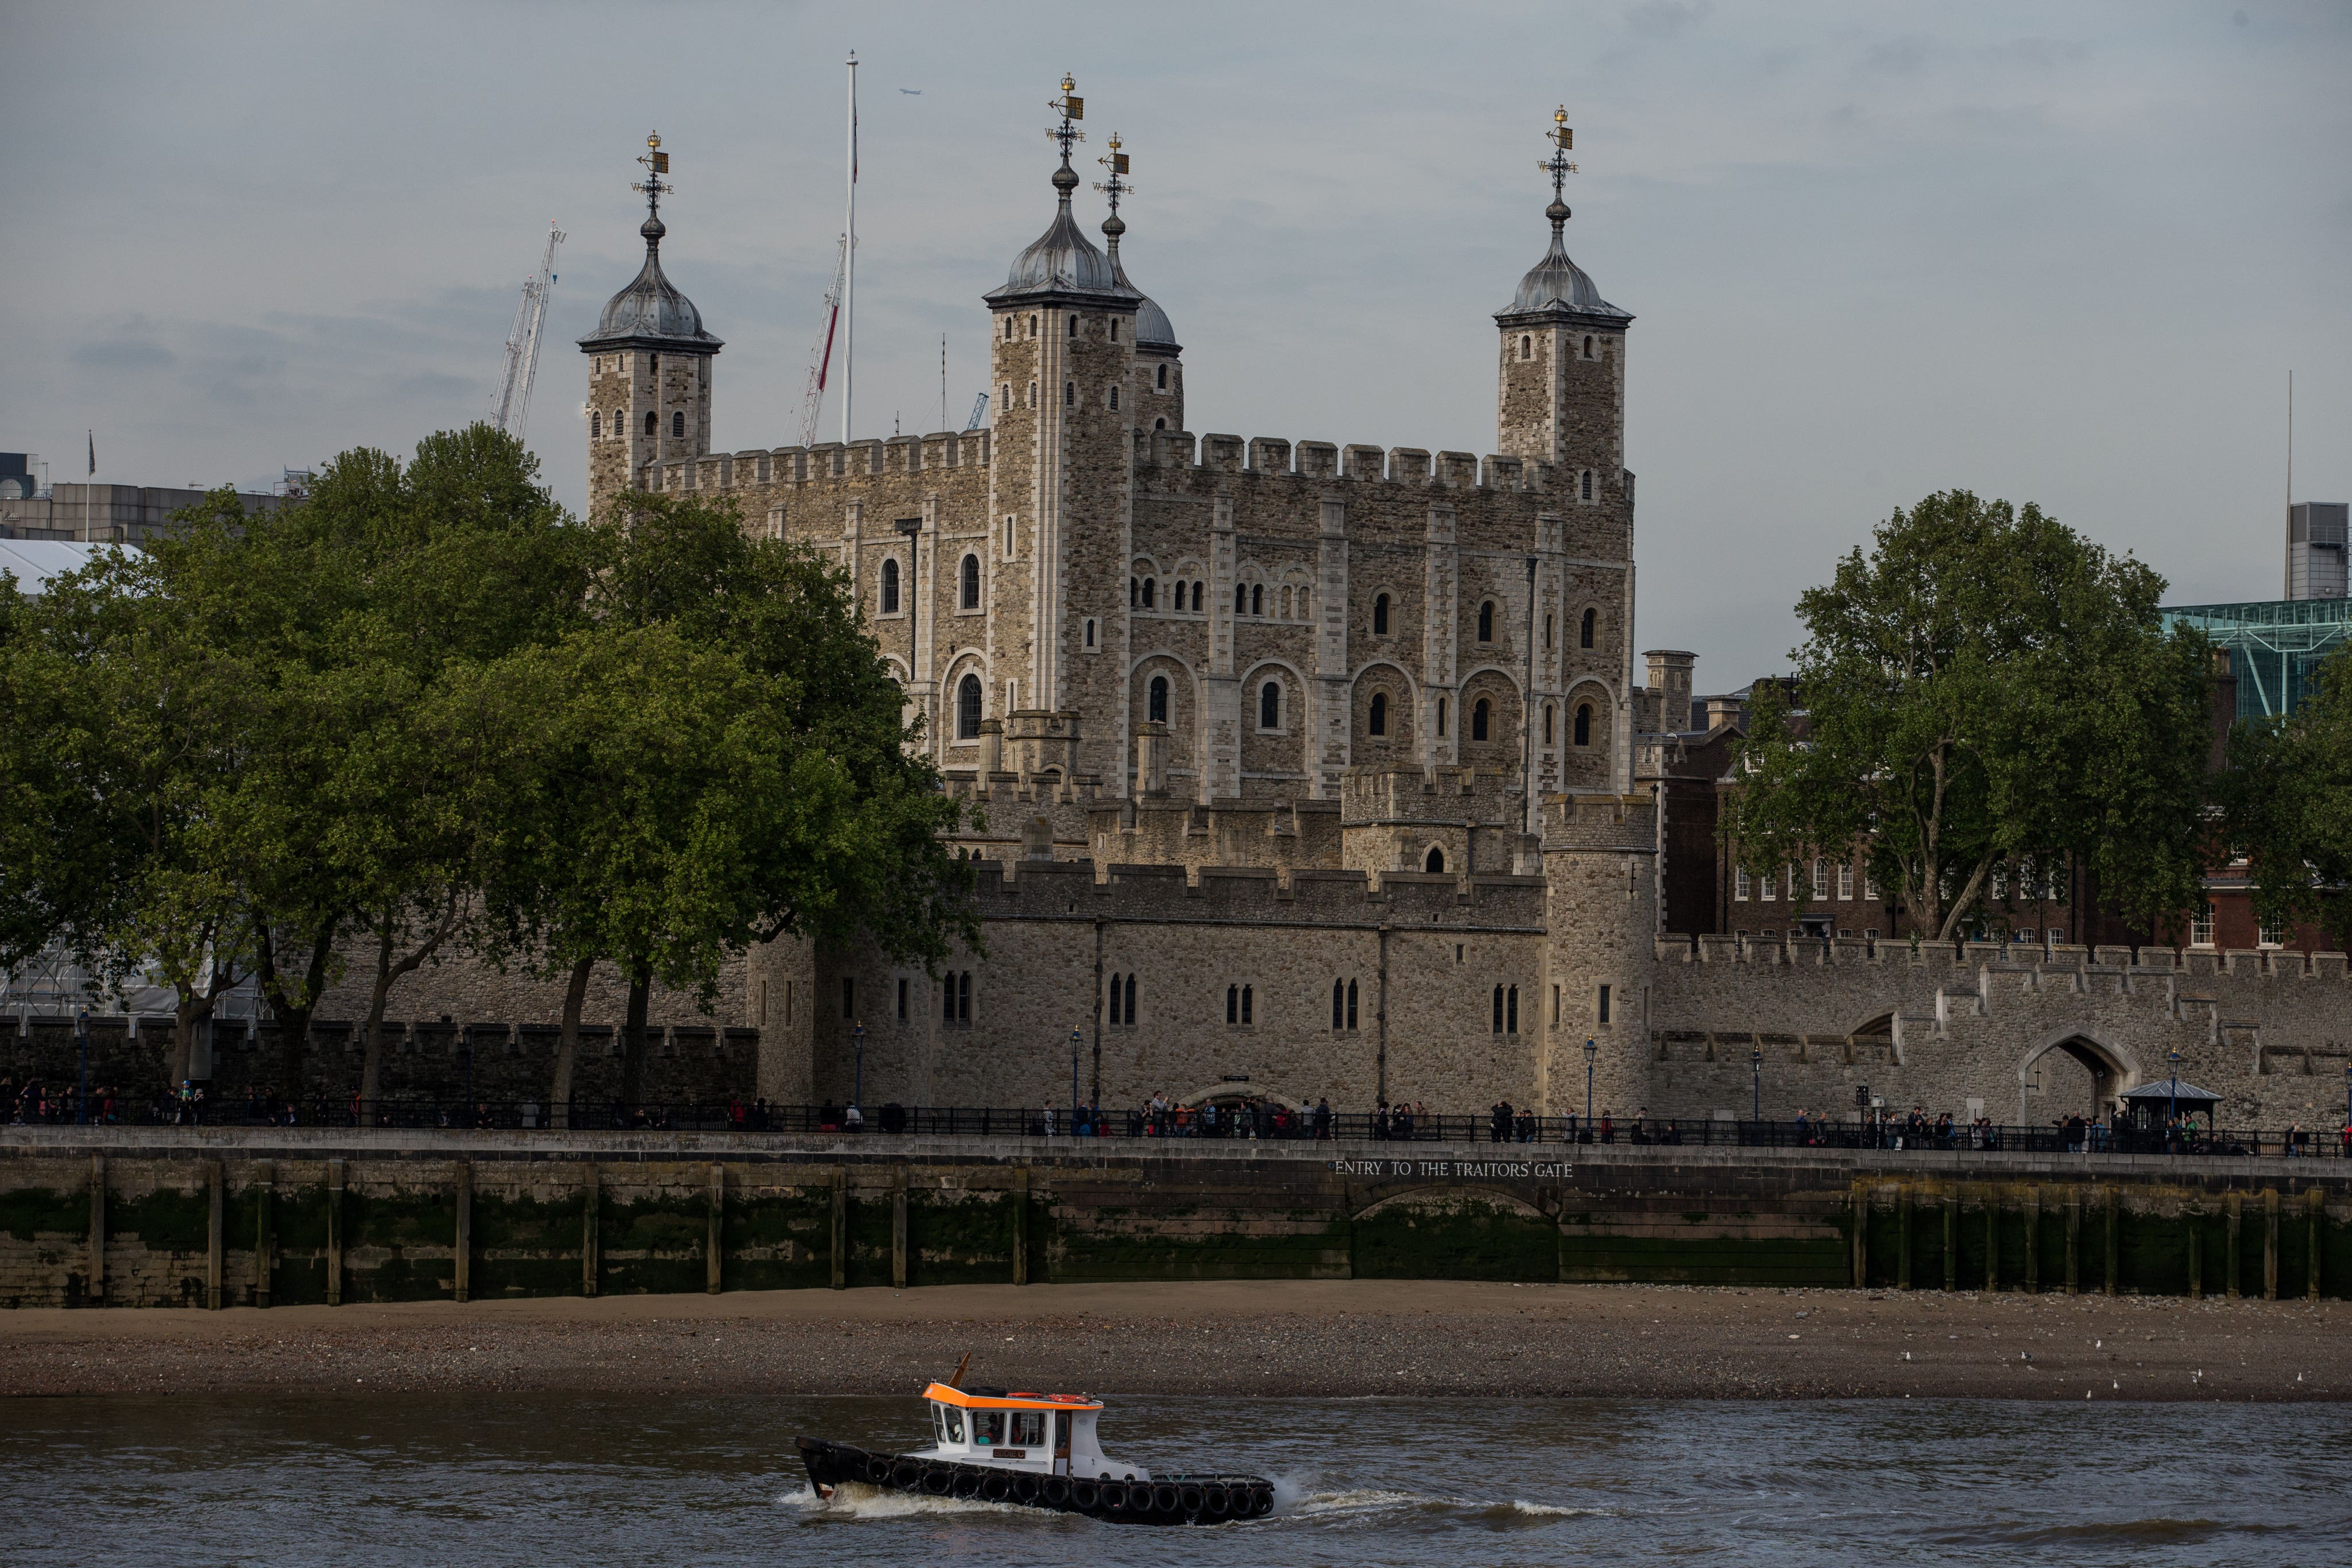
x=965 y=1483
x=1055 y=1491
x=1114 y=1496
x=1216 y=1502
x=906 y=1474
x=1165 y=1499
x=1190 y=1500
x=1084 y=1494
x=1025 y=1489
x=1261 y=1501
x=937 y=1477
x=993 y=1486
x=877 y=1468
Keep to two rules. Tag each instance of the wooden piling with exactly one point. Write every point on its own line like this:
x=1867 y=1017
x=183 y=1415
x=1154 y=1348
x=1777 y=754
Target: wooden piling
x=96 y=1294
x=1992 y=1239
x=1020 y=1224
x=2316 y=1205
x=840 y=1248
x=589 y=1265
x=2033 y=1217
x=2113 y=1258
x=265 y=1178
x=2074 y=1240
x=1951 y=1239
x=2270 y=1243
x=898 y=1229
x=2233 y=1206
x=1903 y=1232
x=714 y=1250
x=462 y=1255
x=214 y=1226
x=335 y=1179
x=2192 y=1214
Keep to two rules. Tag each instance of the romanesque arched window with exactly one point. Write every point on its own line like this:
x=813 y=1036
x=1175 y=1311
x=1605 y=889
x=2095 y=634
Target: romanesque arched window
x=1156 y=705
x=1584 y=724
x=1487 y=621
x=1479 y=719
x=1441 y=719
x=967 y=708
x=1135 y=593
x=1378 y=722
x=1527 y=346
x=1114 y=397
x=1073 y=327
x=1381 y=615
x=889 y=585
x=595 y=424
x=1498 y=1009
x=1511 y=1010
x=1338 y=1004
x=653 y=422
x=1435 y=863
x=970 y=596
x=1584 y=486
x=1269 y=705
x=1585 y=629
x=1131 y=1000
x=1546 y=724
x=677 y=424
x=1158 y=425
x=1258 y=599
x=1351 y=1004
x=1163 y=381
x=1241 y=599
x=1150 y=587
x=1588 y=345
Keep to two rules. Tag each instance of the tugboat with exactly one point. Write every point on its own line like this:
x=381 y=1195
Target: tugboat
x=1036 y=1450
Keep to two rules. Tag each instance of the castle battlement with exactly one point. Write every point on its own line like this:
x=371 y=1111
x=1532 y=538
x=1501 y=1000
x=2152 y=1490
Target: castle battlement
x=1083 y=889
x=1989 y=962
x=1165 y=455
x=896 y=457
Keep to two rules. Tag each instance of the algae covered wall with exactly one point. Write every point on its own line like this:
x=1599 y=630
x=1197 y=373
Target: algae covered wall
x=188 y=1218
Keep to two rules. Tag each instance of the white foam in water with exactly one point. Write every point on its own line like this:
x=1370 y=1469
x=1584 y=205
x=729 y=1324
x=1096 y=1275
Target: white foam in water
x=854 y=1500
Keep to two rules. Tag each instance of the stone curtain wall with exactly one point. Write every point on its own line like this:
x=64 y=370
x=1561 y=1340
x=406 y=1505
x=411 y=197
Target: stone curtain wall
x=263 y=1219
x=2270 y=1031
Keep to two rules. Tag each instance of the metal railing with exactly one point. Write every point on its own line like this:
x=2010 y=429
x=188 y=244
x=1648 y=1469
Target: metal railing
x=1261 y=1123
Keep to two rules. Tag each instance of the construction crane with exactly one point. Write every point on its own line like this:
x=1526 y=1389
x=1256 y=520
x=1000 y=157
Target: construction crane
x=510 y=409
x=821 y=356
x=978 y=412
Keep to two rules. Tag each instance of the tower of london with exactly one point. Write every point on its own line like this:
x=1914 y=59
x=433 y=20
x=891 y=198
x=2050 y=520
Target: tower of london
x=1302 y=769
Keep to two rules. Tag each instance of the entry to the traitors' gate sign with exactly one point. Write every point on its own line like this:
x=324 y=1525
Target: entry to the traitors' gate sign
x=1452 y=1170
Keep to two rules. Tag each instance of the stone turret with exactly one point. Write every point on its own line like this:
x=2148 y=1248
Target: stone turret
x=1600 y=896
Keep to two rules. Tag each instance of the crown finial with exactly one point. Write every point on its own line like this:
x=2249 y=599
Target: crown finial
x=654 y=188
x=1072 y=108
x=1563 y=141
x=1115 y=187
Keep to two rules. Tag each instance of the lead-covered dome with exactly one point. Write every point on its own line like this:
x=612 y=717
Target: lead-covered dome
x=650 y=311
x=1557 y=285
x=1061 y=260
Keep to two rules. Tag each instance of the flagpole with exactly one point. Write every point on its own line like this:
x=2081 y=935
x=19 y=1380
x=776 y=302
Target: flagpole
x=90 y=482
x=849 y=287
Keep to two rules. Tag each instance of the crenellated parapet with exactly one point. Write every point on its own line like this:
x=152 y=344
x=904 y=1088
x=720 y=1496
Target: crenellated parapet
x=1083 y=889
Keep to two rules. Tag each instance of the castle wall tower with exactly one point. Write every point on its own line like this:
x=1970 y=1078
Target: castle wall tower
x=1062 y=333
x=1601 y=894
x=649 y=366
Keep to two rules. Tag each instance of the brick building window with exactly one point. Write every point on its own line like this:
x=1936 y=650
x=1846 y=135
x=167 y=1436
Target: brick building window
x=2270 y=932
x=1869 y=887
x=1845 y=883
x=2200 y=926
x=1238 y=1006
x=1740 y=886
x=1768 y=888
x=1381 y=615
x=1820 y=879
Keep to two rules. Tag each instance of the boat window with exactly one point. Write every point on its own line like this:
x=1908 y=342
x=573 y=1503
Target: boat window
x=1028 y=1428
x=950 y=1423
x=987 y=1427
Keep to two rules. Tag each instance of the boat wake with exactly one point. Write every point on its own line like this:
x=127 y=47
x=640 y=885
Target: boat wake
x=855 y=1500
x=1365 y=1503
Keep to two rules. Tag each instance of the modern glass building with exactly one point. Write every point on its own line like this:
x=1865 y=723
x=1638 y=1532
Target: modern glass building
x=2275 y=645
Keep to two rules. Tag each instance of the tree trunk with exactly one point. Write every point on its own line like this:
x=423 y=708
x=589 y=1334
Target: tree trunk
x=567 y=1045
x=188 y=1015
x=633 y=1040
x=372 y=1048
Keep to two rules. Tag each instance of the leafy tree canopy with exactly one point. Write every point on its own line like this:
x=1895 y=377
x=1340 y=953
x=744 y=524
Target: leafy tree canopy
x=2289 y=805
x=1986 y=685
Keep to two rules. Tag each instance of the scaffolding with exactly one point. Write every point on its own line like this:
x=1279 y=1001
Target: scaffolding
x=2275 y=645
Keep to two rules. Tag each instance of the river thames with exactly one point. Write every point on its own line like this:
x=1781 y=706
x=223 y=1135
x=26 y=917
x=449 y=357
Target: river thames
x=264 y=1481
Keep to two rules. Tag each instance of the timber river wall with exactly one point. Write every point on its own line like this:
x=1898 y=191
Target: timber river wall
x=206 y=1219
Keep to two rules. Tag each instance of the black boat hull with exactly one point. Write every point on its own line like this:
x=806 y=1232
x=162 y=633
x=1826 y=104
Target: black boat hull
x=1165 y=1500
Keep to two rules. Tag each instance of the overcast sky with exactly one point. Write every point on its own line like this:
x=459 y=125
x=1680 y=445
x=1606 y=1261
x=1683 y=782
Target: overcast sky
x=2055 y=253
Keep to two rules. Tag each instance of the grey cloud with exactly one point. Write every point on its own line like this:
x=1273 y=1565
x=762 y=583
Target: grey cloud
x=123 y=354
x=1666 y=18
x=2043 y=54
x=1899 y=57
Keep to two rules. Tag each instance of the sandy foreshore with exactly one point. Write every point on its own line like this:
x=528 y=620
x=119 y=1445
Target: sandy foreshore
x=1326 y=1338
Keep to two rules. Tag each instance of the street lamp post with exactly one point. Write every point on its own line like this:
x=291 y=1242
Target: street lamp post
x=465 y=1043
x=857 y=1092
x=1590 y=1050
x=82 y=1037
x=2172 y=1102
x=1076 y=1038
x=1755 y=1072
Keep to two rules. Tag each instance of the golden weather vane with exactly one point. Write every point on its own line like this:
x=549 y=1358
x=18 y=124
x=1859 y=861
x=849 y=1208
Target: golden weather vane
x=1071 y=108
x=1563 y=141
x=653 y=187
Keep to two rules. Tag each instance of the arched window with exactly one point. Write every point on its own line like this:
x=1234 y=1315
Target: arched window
x=1546 y=633
x=967 y=708
x=1114 y=1000
x=1156 y=705
x=1233 y=1004
x=1381 y=615
x=1151 y=586
x=1245 y=1004
x=1478 y=713
x=1511 y=1010
x=1269 y=705
x=1008 y=539
x=653 y=422
x=1158 y=425
x=1338 y=1004
x=1546 y=724
x=1163 y=379
x=1114 y=397
x=1584 y=724
x=970 y=599
x=1090 y=632
x=1487 y=621
x=1113 y=321
x=1588 y=346
x=1584 y=484
x=1435 y=863
x=889 y=585
x=1241 y=599
x=1351 y=1004
x=1585 y=629
x=1135 y=593
x=1441 y=719
x=677 y=424
x=1196 y=596
x=1032 y=323
x=1498 y=1009
x=1008 y=328
x=1032 y=394
x=1258 y=599
x=1070 y=400
x=595 y=424
x=1526 y=347
x=1074 y=326
x=1130 y=1013
x=1377 y=724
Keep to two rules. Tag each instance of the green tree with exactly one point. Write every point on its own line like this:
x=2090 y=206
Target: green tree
x=1985 y=685
x=2289 y=793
